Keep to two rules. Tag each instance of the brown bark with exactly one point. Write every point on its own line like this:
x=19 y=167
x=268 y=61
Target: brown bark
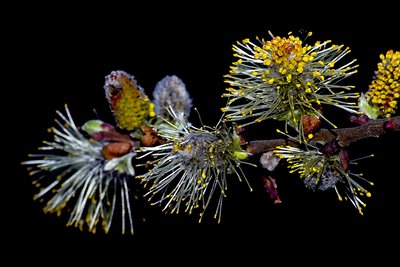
x=344 y=136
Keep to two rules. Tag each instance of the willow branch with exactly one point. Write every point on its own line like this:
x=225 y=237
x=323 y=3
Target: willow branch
x=261 y=146
x=344 y=136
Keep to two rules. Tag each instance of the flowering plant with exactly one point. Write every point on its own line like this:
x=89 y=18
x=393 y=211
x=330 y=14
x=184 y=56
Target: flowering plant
x=89 y=170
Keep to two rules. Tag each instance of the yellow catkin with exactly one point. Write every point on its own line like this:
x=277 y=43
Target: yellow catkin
x=385 y=87
x=130 y=105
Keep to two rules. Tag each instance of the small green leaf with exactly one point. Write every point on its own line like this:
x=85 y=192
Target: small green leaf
x=92 y=126
x=368 y=109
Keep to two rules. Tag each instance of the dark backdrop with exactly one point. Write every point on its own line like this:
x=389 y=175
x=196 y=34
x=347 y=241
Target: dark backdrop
x=61 y=56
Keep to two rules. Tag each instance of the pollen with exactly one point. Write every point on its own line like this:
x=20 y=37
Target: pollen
x=130 y=106
x=289 y=73
x=385 y=87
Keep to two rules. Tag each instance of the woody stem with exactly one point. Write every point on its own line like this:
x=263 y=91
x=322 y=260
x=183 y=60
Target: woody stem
x=344 y=136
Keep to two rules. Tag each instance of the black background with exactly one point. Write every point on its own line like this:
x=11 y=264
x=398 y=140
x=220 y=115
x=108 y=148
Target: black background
x=60 y=54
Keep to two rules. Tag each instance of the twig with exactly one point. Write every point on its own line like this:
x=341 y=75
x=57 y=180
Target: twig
x=344 y=136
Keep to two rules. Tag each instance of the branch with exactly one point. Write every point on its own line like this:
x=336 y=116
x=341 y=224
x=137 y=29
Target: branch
x=373 y=128
x=261 y=146
x=344 y=136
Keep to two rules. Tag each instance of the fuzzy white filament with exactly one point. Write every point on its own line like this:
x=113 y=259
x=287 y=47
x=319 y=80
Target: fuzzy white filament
x=76 y=173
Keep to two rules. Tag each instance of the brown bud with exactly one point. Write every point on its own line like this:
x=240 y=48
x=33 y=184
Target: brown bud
x=358 y=119
x=344 y=160
x=393 y=124
x=311 y=124
x=271 y=188
x=111 y=136
x=330 y=148
x=106 y=127
x=149 y=138
x=116 y=149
